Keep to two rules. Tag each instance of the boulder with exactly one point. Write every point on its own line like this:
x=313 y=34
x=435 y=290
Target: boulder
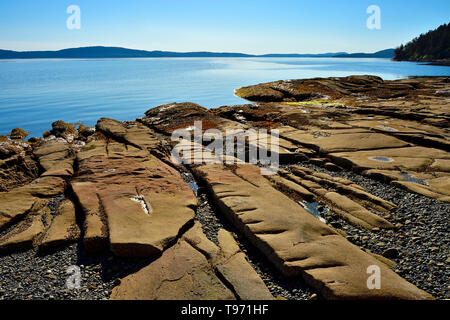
x=18 y=134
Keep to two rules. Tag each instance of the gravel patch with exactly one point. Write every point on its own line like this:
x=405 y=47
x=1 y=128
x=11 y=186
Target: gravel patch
x=31 y=276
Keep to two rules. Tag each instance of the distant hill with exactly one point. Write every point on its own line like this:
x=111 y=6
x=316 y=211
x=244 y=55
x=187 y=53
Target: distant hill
x=303 y=55
x=100 y=52
x=387 y=54
x=433 y=46
x=106 y=52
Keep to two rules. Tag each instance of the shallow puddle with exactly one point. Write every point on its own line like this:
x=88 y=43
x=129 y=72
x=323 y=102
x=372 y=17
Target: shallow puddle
x=388 y=128
x=193 y=185
x=315 y=209
x=381 y=159
x=411 y=178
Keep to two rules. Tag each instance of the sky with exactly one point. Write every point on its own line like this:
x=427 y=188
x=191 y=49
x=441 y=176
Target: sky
x=247 y=26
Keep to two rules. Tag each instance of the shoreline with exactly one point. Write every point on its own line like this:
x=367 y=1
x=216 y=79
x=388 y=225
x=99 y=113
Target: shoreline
x=334 y=133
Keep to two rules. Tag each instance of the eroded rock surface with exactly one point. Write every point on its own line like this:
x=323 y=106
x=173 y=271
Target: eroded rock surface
x=116 y=187
x=392 y=130
x=196 y=269
x=131 y=199
x=296 y=242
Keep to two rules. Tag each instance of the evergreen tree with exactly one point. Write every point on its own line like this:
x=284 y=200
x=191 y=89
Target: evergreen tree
x=431 y=46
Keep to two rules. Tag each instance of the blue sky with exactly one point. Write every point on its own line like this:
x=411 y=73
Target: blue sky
x=250 y=26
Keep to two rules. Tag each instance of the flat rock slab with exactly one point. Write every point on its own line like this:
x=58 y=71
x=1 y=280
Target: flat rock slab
x=29 y=232
x=131 y=199
x=133 y=133
x=327 y=141
x=196 y=269
x=56 y=157
x=17 y=203
x=187 y=116
x=351 y=202
x=63 y=228
x=296 y=242
x=418 y=169
x=359 y=122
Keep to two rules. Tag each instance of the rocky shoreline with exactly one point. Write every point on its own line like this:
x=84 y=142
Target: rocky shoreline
x=364 y=180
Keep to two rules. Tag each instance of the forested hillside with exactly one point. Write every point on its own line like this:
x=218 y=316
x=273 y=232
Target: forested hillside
x=429 y=47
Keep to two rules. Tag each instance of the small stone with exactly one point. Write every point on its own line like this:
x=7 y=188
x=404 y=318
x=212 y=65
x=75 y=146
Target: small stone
x=336 y=225
x=313 y=297
x=391 y=253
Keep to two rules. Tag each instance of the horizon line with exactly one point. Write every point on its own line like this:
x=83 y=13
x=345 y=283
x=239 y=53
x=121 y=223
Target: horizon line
x=199 y=51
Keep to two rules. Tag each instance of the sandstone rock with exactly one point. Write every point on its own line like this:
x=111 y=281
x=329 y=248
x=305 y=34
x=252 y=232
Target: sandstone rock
x=256 y=93
x=353 y=209
x=95 y=227
x=344 y=187
x=131 y=133
x=62 y=129
x=357 y=121
x=291 y=188
x=63 y=228
x=129 y=196
x=233 y=266
x=168 y=118
x=18 y=134
x=343 y=141
x=56 y=157
x=296 y=242
x=85 y=131
x=17 y=170
x=189 y=271
x=18 y=202
x=355 y=213
x=28 y=233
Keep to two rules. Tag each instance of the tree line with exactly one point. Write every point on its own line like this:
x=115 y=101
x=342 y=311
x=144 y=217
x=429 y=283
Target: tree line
x=431 y=46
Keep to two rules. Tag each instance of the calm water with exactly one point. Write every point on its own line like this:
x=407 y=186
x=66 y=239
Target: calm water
x=34 y=93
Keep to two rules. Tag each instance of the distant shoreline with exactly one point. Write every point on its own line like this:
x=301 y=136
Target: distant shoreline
x=99 y=52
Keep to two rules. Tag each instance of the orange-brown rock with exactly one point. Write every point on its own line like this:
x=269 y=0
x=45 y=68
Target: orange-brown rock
x=190 y=271
x=17 y=167
x=363 y=123
x=29 y=232
x=130 y=198
x=17 y=203
x=296 y=242
x=55 y=157
x=63 y=228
